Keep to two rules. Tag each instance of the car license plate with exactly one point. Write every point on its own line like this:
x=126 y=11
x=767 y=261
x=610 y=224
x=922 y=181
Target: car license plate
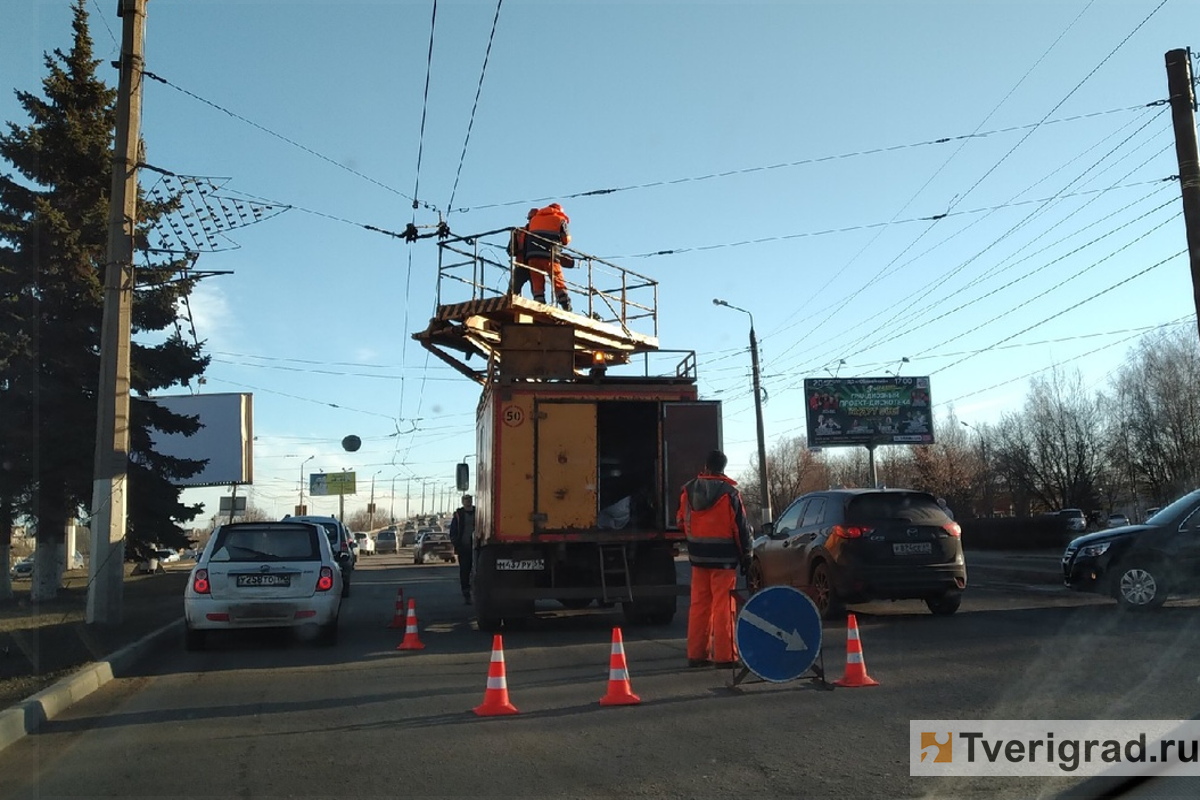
x=520 y=564
x=264 y=580
x=912 y=548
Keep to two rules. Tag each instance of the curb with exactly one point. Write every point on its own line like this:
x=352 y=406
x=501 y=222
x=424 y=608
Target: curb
x=28 y=716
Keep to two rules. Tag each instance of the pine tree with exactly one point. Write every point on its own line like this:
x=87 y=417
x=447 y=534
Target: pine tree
x=53 y=247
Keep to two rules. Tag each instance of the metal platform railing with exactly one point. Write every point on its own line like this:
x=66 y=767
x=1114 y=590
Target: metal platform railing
x=479 y=266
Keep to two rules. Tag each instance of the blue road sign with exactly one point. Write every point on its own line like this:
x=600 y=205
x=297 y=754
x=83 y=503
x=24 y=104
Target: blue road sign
x=778 y=634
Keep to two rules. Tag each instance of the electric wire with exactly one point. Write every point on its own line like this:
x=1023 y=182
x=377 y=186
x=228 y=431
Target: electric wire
x=471 y=123
x=912 y=321
x=1072 y=307
x=1036 y=126
x=424 y=106
x=941 y=279
x=882 y=224
x=799 y=162
x=962 y=144
x=286 y=140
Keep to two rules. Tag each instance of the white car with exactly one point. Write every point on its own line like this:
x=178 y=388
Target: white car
x=366 y=545
x=166 y=555
x=264 y=575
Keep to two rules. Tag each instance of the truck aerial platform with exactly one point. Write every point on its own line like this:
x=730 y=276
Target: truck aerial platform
x=586 y=432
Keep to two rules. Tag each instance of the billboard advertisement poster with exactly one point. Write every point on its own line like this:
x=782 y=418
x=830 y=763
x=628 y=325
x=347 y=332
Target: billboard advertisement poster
x=225 y=441
x=865 y=411
x=324 y=484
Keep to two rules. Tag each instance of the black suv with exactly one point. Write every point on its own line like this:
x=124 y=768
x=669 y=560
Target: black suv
x=854 y=545
x=342 y=542
x=1140 y=565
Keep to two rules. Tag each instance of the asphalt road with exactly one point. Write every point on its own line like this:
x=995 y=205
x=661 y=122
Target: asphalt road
x=262 y=716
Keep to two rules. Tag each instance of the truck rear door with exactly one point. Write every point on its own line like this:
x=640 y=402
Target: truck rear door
x=565 y=469
x=689 y=432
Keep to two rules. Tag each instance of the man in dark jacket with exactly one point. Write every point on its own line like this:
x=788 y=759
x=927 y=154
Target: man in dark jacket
x=718 y=537
x=462 y=536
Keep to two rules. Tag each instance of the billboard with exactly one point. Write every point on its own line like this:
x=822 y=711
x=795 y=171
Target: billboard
x=225 y=439
x=322 y=484
x=890 y=410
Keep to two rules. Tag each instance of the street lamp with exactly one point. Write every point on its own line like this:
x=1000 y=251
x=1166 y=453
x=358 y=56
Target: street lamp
x=300 y=507
x=371 y=505
x=764 y=487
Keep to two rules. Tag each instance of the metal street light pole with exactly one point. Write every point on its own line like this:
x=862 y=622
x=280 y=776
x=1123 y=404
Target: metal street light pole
x=764 y=487
x=371 y=505
x=300 y=506
x=392 y=505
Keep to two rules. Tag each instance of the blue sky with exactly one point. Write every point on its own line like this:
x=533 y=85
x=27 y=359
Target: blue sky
x=1061 y=242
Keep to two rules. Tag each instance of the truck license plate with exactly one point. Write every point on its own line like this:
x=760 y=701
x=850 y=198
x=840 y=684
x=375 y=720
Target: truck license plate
x=520 y=564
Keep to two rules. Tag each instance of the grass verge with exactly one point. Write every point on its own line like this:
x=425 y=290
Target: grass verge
x=41 y=643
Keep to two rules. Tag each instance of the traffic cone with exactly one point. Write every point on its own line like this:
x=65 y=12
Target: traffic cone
x=411 y=640
x=495 y=699
x=620 y=693
x=398 y=614
x=856 y=669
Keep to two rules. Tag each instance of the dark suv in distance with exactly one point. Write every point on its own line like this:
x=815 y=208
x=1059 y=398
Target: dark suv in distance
x=853 y=545
x=1140 y=565
x=342 y=542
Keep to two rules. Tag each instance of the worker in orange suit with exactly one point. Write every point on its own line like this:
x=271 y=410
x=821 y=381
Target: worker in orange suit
x=516 y=250
x=718 y=536
x=548 y=231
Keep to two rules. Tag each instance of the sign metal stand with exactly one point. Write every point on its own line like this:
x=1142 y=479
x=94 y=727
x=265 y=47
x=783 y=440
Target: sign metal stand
x=778 y=634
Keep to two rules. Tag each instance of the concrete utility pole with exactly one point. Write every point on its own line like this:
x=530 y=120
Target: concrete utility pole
x=1183 y=113
x=109 y=482
x=756 y=377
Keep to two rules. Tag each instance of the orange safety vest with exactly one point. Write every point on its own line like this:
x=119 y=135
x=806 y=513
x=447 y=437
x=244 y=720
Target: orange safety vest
x=549 y=226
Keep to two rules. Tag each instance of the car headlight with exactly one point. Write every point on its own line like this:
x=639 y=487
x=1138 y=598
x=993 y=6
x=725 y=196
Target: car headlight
x=1093 y=550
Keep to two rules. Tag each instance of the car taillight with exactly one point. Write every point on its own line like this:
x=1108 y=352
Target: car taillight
x=953 y=529
x=325 y=581
x=850 y=531
x=200 y=582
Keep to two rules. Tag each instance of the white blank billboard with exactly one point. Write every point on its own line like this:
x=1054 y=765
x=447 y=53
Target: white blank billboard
x=226 y=438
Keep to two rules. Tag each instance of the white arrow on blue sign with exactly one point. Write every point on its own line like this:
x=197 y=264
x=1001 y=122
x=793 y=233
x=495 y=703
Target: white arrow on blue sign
x=778 y=634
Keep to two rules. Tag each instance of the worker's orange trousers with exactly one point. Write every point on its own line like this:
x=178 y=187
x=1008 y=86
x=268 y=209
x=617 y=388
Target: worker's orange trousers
x=537 y=276
x=710 y=618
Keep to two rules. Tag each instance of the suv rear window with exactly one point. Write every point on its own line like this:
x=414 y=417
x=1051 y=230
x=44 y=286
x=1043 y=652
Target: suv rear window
x=386 y=535
x=267 y=543
x=914 y=507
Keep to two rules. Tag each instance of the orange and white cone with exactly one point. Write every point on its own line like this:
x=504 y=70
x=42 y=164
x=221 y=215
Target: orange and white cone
x=411 y=640
x=856 y=669
x=620 y=693
x=398 y=615
x=495 y=699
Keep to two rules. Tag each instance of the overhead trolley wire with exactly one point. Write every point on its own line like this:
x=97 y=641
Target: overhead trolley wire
x=898 y=317
x=1187 y=319
x=478 y=90
x=962 y=144
x=1064 y=99
x=424 y=107
x=941 y=279
x=1071 y=307
x=800 y=162
x=286 y=139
